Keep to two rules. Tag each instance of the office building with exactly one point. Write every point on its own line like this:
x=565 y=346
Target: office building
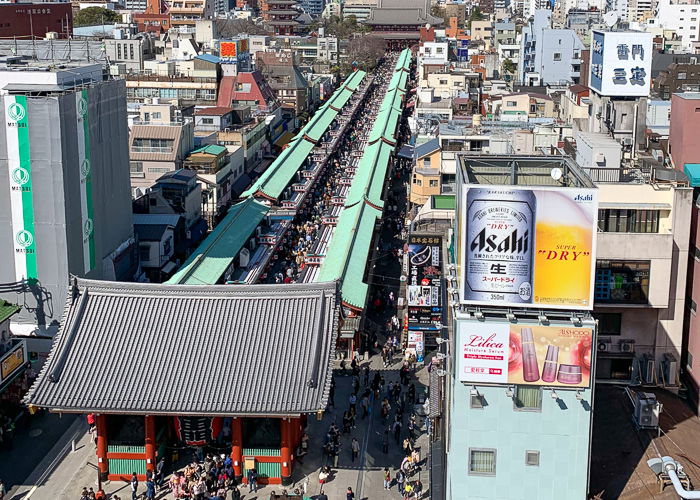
x=66 y=204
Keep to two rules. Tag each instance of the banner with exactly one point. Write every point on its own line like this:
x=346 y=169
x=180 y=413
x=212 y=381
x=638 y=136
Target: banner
x=424 y=288
x=84 y=160
x=21 y=193
x=509 y=353
x=12 y=361
x=197 y=431
x=528 y=246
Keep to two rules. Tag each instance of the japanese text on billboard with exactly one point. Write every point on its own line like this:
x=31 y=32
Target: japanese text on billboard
x=424 y=281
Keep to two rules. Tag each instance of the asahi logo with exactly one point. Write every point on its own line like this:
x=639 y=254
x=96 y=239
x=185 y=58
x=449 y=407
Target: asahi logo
x=24 y=238
x=87 y=228
x=16 y=111
x=85 y=168
x=82 y=107
x=20 y=176
x=512 y=243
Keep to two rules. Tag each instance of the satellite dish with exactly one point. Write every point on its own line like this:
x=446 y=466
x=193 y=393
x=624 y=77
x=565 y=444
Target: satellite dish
x=556 y=173
x=610 y=19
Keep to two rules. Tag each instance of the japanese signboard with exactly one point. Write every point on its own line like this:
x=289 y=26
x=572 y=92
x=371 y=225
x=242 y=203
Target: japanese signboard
x=527 y=247
x=228 y=50
x=621 y=63
x=424 y=281
x=508 y=353
x=197 y=431
x=13 y=361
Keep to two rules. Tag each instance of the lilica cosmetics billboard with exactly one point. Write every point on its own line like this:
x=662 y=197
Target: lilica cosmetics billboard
x=528 y=246
x=500 y=352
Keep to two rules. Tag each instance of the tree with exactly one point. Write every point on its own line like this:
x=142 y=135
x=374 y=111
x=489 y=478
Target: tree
x=93 y=16
x=439 y=11
x=474 y=16
x=366 y=51
x=509 y=66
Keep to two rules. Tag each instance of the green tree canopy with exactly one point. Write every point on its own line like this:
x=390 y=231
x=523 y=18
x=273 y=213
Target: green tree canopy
x=93 y=16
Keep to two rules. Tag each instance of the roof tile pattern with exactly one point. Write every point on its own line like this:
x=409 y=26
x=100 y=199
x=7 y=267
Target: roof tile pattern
x=183 y=350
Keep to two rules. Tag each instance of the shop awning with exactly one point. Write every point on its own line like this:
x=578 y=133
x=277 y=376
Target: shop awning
x=692 y=170
x=284 y=139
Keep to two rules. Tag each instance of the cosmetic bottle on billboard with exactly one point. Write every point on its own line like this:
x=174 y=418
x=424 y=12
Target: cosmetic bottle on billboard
x=531 y=372
x=499 y=246
x=549 y=371
x=570 y=374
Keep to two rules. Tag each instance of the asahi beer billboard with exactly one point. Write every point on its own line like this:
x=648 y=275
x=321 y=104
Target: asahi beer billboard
x=499 y=352
x=424 y=281
x=528 y=247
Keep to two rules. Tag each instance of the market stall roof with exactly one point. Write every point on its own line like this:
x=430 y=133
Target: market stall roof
x=134 y=348
x=216 y=253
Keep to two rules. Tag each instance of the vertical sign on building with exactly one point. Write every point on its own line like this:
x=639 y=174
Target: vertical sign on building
x=424 y=281
x=21 y=194
x=86 y=205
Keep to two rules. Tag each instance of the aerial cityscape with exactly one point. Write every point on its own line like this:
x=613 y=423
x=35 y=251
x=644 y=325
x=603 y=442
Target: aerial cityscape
x=349 y=249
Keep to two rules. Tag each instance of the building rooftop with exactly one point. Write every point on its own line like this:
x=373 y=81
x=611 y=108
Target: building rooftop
x=213 y=111
x=242 y=350
x=688 y=95
x=522 y=170
x=7 y=309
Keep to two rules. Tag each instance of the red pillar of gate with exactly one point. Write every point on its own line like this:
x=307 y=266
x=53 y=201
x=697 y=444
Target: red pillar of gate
x=101 y=429
x=286 y=451
x=237 y=447
x=150 y=427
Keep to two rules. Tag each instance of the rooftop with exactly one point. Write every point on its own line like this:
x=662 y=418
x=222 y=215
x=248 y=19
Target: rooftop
x=213 y=111
x=688 y=95
x=522 y=170
x=245 y=350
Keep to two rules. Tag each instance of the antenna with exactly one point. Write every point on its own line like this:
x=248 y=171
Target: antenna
x=610 y=19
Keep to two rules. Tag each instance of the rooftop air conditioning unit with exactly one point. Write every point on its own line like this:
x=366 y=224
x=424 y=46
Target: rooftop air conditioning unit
x=670 y=367
x=627 y=346
x=649 y=367
x=646 y=410
x=604 y=345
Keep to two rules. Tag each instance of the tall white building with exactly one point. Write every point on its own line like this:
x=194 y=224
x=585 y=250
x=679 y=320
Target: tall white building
x=683 y=18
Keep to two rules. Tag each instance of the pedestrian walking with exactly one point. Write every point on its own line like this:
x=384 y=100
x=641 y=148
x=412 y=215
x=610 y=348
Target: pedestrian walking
x=400 y=479
x=253 y=480
x=397 y=431
x=150 y=489
x=352 y=400
x=365 y=406
x=134 y=486
x=355 y=448
x=235 y=493
x=350 y=495
x=160 y=472
x=387 y=478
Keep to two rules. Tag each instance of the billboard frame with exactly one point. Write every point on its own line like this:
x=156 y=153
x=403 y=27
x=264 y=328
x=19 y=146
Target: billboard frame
x=460 y=239
x=587 y=322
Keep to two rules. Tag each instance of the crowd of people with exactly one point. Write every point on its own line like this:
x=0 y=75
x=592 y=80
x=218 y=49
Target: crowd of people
x=302 y=237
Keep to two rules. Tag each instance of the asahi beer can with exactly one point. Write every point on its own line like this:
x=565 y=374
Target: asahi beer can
x=500 y=245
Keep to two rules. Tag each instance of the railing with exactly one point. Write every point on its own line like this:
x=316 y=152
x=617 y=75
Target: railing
x=147 y=149
x=160 y=124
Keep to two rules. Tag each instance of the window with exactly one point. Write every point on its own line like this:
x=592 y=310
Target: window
x=131 y=52
x=628 y=221
x=682 y=75
x=692 y=305
x=433 y=184
x=557 y=56
x=144 y=252
x=208 y=121
x=532 y=458
x=622 y=281
x=482 y=462
x=527 y=398
x=609 y=323
x=156 y=115
x=511 y=104
x=689 y=364
x=136 y=167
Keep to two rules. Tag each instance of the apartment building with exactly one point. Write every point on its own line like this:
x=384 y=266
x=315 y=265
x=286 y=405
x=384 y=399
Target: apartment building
x=159 y=142
x=185 y=13
x=548 y=56
x=426 y=175
x=681 y=17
